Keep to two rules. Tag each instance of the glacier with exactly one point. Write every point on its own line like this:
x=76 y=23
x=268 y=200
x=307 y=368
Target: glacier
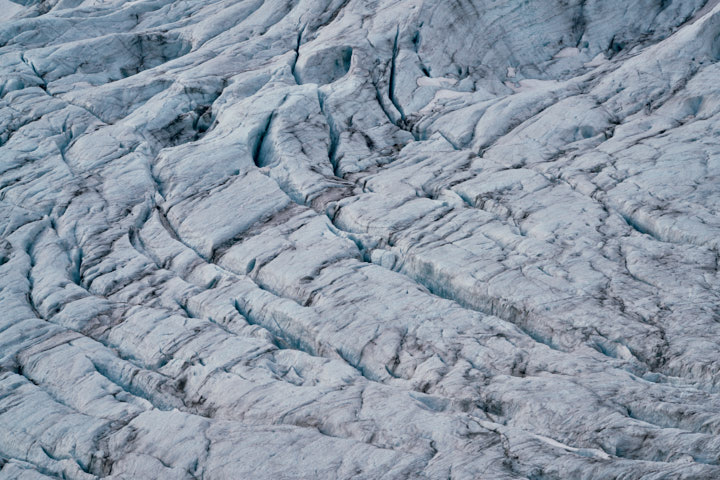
x=359 y=239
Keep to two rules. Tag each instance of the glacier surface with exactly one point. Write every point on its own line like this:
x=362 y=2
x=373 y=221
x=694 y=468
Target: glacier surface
x=359 y=239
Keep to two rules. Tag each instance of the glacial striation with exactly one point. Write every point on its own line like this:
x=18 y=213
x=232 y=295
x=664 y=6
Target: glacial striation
x=284 y=239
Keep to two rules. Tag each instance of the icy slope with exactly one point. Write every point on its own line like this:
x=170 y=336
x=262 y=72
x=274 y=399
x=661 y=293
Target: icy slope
x=359 y=239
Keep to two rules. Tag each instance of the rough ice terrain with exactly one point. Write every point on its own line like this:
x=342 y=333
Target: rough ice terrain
x=359 y=239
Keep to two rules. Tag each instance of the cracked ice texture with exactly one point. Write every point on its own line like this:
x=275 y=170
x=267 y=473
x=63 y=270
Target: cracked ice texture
x=359 y=239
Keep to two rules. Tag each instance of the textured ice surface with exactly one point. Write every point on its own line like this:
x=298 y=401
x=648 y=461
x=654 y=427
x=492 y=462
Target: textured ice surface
x=359 y=239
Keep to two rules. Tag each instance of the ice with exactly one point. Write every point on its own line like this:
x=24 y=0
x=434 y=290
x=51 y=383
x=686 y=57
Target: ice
x=359 y=239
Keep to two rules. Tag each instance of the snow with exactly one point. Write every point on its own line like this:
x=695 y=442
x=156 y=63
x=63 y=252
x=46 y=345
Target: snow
x=352 y=239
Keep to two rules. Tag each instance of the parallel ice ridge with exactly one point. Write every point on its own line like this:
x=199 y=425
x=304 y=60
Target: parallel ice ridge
x=359 y=239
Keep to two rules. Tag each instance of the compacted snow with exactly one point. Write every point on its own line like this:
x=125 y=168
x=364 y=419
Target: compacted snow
x=359 y=239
